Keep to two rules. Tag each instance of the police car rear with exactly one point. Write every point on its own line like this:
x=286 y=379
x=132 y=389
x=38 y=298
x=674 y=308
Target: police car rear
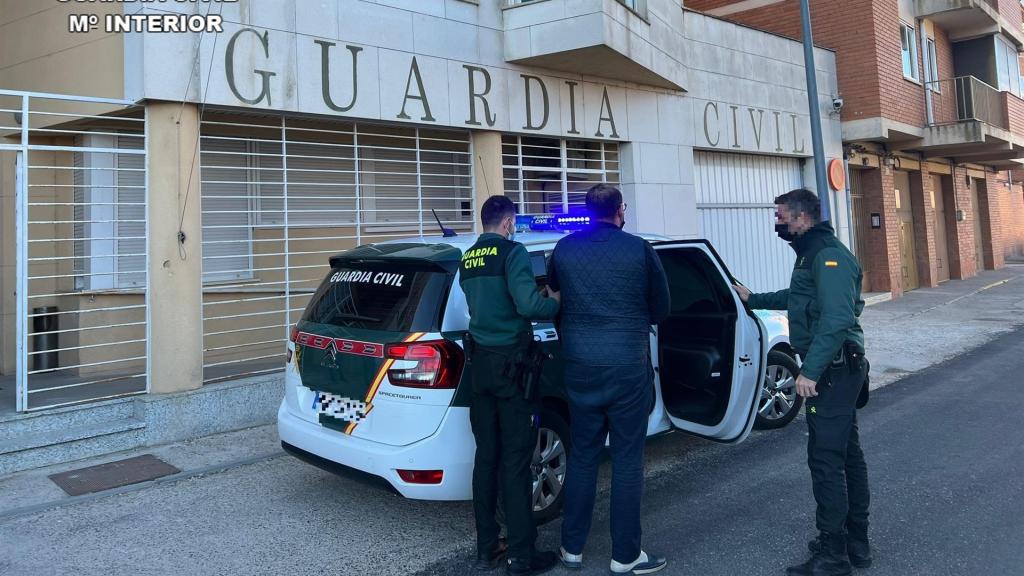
x=372 y=373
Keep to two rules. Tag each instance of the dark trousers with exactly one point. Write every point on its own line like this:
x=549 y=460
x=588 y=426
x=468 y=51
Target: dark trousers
x=611 y=402
x=502 y=423
x=838 y=471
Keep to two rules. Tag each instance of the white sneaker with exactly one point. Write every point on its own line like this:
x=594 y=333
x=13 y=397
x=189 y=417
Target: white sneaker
x=570 y=561
x=644 y=564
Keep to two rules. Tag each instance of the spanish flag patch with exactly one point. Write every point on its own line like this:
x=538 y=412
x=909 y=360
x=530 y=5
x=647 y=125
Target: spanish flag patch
x=831 y=263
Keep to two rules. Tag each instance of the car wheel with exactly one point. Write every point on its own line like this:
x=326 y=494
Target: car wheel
x=550 y=461
x=779 y=402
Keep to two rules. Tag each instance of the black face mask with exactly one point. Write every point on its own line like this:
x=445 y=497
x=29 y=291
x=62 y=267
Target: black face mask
x=782 y=230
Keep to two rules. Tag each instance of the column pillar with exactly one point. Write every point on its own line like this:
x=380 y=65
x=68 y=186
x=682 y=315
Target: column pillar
x=961 y=236
x=884 y=242
x=990 y=208
x=923 y=206
x=488 y=176
x=175 y=268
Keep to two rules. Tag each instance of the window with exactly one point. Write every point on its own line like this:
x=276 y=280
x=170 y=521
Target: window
x=908 y=47
x=352 y=296
x=931 y=65
x=548 y=175
x=344 y=181
x=1007 y=66
x=109 y=213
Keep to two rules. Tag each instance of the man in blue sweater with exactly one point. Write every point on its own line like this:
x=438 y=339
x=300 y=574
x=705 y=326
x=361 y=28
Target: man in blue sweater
x=613 y=289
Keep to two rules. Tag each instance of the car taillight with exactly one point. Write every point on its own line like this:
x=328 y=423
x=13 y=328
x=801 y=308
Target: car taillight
x=291 y=338
x=436 y=364
x=421 y=476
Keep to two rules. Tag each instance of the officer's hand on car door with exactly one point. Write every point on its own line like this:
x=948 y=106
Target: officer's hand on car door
x=806 y=387
x=742 y=291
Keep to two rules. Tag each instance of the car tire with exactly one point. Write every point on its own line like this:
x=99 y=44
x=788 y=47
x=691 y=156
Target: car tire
x=778 y=387
x=550 y=459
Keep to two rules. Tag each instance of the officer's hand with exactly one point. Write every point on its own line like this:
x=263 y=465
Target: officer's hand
x=552 y=294
x=743 y=292
x=806 y=387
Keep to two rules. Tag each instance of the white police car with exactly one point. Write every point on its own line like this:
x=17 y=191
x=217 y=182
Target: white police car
x=375 y=378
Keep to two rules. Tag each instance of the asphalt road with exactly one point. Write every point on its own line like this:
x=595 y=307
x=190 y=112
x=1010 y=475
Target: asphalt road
x=943 y=446
x=946 y=464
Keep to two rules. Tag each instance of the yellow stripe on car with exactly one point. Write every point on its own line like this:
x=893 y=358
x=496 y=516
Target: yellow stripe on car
x=377 y=380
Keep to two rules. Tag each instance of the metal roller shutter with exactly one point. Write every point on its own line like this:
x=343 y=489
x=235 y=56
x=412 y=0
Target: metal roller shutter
x=735 y=194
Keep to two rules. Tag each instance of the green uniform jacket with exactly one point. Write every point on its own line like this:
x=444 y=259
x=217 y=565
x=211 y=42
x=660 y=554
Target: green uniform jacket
x=823 y=299
x=501 y=292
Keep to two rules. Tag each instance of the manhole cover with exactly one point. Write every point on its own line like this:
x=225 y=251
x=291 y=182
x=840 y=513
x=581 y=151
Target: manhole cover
x=113 y=474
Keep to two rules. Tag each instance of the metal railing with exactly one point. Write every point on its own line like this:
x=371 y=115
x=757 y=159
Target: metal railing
x=964 y=99
x=81 y=262
x=280 y=195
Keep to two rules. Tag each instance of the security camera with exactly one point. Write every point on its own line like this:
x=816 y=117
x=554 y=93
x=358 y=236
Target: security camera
x=837 y=104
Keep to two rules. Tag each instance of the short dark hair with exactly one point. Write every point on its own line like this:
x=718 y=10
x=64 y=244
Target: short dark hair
x=496 y=209
x=800 y=201
x=603 y=200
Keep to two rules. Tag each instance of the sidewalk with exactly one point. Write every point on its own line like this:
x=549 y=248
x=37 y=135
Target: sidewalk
x=923 y=328
x=930 y=325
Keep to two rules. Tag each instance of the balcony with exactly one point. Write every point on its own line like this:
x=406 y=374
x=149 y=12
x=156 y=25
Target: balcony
x=629 y=40
x=964 y=19
x=973 y=122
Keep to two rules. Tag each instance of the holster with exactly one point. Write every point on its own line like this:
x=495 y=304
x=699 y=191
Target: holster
x=468 y=346
x=851 y=358
x=525 y=367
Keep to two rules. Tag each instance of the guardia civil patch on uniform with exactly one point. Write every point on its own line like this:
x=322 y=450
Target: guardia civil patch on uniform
x=831 y=263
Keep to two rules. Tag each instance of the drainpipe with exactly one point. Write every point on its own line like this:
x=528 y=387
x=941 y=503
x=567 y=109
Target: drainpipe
x=922 y=40
x=849 y=205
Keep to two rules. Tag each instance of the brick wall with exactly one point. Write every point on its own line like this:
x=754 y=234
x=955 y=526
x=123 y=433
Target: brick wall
x=961 y=236
x=1013 y=221
x=1011 y=10
x=883 y=244
x=924 y=227
x=840 y=26
x=901 y=100
x=866 y=38
x=990 y=207
x=1014 y=107
x=944 y=101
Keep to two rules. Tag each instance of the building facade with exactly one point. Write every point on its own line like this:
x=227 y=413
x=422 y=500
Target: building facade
x=931 y=124
x=177 y=228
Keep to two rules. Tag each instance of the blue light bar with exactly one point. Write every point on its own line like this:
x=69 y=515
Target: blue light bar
x=552 y=222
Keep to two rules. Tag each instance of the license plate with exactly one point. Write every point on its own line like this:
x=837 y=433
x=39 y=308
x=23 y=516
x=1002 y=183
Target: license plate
x=335 y=406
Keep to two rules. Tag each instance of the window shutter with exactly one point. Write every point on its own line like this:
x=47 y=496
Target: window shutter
x=227 y=233
x=131 y=214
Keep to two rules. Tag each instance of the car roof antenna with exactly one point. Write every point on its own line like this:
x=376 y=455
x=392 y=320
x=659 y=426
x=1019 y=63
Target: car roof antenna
x=446 y=232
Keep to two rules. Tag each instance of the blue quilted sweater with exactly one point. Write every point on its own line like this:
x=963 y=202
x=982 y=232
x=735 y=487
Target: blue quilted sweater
x=613 y=289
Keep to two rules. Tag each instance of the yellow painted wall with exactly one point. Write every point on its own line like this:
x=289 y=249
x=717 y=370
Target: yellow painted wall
x=37 y=53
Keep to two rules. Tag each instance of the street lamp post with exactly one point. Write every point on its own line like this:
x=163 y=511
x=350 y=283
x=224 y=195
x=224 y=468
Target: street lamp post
x=812 y=102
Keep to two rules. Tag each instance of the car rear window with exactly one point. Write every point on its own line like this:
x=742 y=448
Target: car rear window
x=396 y=298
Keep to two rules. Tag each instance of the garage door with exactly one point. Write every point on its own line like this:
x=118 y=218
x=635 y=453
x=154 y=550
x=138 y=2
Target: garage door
x=735 y=194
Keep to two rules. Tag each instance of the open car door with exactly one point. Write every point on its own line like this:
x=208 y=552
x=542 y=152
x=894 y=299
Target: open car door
x=711 y=349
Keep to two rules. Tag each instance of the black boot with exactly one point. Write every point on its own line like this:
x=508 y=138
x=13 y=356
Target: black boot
x=829 y=559
x=857 y=547
x=539 y=563
x=487 y=561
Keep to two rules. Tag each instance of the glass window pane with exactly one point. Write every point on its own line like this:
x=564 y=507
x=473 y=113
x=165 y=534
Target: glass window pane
x=905 y=45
